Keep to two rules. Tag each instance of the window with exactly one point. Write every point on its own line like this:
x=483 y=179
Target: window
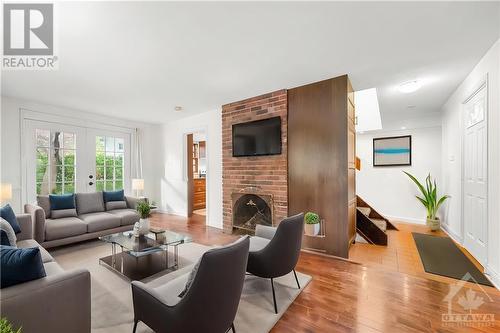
x=55 y=162
x=109 y=163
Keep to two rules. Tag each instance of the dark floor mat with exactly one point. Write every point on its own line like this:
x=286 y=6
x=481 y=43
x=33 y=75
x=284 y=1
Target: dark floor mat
x=441 y=256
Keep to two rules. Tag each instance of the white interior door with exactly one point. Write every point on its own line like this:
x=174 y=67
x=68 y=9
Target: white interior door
x=109 y=160
x=475 y=194
x=54 y=154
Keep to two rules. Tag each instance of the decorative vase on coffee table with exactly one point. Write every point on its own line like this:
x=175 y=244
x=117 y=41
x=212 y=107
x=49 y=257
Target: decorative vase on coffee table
x=143 y=227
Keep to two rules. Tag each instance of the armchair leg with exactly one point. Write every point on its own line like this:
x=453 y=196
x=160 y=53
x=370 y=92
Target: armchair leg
x=274 y=297
x=296 y=279
x=232 y=328
x=135 y=325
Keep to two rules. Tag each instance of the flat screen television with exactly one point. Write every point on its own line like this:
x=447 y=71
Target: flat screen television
x=257 y=138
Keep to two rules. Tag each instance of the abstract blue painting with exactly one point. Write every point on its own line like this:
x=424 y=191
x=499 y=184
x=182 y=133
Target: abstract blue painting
x=392 y=151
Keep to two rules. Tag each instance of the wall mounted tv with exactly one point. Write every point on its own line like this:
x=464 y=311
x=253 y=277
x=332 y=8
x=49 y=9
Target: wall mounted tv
x=257 y=138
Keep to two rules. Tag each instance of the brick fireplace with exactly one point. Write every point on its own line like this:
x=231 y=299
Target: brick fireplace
x=265 y=177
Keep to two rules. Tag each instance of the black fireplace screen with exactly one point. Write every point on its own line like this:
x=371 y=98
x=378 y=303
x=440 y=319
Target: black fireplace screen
x=250 y=210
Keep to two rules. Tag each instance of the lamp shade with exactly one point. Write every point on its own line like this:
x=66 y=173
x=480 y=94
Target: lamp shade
x=5 y=191
x=137 y=184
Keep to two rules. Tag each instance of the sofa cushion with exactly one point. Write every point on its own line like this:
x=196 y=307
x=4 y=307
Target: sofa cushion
x=20 y=265
x=8 y=236
x=116 y=205
x=46 y=257
x=114 y=195
x=100 y=221
x=62 y=201
x=52 y=268
x=89 y=203
x=60 y=213
x=7 y=213
x=127 y=216
x=64 y=227
x=44 y=202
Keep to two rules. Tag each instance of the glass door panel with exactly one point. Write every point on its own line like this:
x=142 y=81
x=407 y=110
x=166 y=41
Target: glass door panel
x=110 y=163
x=53 y=153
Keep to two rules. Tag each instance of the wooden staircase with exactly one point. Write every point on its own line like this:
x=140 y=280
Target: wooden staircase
x=370 y=224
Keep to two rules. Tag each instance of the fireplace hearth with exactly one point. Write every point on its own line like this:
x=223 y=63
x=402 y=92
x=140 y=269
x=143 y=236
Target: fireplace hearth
x=250 y=209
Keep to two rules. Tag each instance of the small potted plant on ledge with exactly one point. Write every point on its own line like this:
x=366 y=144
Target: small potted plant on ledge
x=312 y=224
x=142 y=227
x=430 y=200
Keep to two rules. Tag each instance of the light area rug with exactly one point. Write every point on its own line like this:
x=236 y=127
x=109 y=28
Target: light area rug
x=112 y=309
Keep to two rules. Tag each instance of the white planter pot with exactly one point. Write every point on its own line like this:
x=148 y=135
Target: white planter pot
x=434 y=225
x=143 y=226
x=312 y=229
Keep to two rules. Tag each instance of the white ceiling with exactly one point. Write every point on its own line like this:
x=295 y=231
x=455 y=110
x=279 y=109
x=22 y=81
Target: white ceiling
x=139 y=60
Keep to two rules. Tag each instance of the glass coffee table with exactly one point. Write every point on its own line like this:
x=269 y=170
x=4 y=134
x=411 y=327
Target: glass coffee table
x=143 y=256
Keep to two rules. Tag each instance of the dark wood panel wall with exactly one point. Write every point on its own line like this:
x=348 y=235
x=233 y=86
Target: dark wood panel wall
x=321 y=140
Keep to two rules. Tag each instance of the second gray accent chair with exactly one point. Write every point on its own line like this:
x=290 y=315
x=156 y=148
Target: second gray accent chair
x=210 y=303
x=274 y=252
x=92 y=219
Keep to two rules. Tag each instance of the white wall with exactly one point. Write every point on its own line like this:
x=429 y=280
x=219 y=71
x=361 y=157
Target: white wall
x=388 y=189
x=489 y=67
x=10 y=140
x=173 y=168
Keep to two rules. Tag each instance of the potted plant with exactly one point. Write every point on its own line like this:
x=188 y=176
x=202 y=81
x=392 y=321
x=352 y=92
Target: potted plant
x=6 y=327
x=144 y=211
x=312 y=224
x=430 y=200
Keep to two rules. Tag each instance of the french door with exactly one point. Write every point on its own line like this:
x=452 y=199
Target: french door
x=67 y=159
x=109 y=160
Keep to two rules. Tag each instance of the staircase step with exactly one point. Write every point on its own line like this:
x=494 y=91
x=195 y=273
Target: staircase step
x=380 y=223
x=365 y=210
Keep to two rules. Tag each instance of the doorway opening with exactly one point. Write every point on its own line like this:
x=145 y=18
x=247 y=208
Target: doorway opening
x=197 y=175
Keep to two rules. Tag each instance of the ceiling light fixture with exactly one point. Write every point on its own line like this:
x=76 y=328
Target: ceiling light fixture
x=178 y=108
x=409 y=87
x=403 y=127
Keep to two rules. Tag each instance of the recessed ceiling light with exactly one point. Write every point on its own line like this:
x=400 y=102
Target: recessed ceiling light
x=409 y=87
x=178 y=108
x=403 y=127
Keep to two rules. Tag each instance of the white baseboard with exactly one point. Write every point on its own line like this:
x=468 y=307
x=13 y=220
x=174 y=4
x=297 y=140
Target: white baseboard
x=493 y=275
x=457 y=238
x=404 y=219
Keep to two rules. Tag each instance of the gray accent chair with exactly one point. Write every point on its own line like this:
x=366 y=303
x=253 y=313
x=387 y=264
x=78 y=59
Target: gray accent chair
x=59 y=302
x=210 y=303
x=274 y=252
x=93 y=219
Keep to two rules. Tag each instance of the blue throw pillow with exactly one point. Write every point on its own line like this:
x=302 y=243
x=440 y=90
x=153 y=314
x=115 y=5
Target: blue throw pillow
x=8 y=214
x=4 y=239
x=20 y=265
x=114 y=195
x=62 y=201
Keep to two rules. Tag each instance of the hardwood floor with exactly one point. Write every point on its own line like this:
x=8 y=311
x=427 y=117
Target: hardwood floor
x=401 y=253
x=377 y=296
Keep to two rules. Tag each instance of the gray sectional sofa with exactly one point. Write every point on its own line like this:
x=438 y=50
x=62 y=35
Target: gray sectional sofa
x=59 y=302
x=94 y=218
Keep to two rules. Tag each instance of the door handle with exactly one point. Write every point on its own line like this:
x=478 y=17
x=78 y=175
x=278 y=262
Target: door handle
x=91 y=183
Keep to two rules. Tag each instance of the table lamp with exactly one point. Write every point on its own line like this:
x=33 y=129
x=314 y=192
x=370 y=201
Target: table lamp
x=137 y=185
x=5 y=192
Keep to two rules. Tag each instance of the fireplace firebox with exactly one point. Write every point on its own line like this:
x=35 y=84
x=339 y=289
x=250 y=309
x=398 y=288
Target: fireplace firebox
x=250 y=209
